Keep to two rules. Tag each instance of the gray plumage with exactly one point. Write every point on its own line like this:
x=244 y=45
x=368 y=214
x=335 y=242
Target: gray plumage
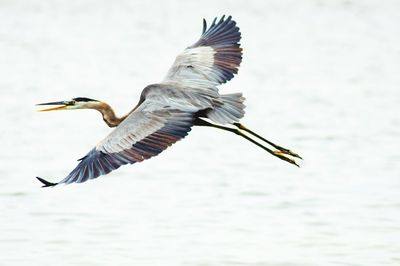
x=167 y=110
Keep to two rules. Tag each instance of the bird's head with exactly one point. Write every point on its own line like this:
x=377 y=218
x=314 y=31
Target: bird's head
x=75 y=103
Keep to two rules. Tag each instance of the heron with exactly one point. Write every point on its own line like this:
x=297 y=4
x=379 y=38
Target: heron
x=188 y=96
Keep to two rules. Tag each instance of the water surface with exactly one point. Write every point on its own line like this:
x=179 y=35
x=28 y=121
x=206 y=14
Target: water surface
x=320 y=77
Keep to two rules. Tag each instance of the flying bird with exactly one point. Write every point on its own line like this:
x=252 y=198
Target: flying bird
x=166 y=112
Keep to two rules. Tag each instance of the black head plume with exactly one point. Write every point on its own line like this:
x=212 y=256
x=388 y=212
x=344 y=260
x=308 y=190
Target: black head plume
x=84 y=99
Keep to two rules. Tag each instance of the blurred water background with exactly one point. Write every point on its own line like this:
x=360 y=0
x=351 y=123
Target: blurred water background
x=320 y=77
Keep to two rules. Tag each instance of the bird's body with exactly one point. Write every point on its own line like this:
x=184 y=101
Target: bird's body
x=167 y=111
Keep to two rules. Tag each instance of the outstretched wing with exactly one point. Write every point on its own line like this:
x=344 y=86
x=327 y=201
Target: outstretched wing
x=146 y=132
x=212 y=60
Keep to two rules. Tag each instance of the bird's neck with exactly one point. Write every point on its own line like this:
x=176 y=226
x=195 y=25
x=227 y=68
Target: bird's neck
x=109 y=115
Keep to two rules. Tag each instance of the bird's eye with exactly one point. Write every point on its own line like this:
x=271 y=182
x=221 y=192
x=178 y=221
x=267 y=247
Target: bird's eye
x=70 y=102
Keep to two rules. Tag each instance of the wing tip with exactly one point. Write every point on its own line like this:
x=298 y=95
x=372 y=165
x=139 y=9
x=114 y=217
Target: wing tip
x=46 y=183
x=223 y=33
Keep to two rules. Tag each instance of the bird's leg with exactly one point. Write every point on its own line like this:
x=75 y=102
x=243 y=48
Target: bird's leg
x=280 y=155
x=281 y=149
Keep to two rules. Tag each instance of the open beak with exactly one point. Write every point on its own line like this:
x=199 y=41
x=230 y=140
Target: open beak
x=62 y=106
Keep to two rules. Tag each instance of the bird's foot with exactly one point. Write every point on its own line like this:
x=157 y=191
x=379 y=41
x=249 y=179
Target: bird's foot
x=282 y=155
x=289 y=152
x=282 y=150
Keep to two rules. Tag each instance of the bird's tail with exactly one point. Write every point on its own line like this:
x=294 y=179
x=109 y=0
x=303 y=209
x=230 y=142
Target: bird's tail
x=231 y=111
